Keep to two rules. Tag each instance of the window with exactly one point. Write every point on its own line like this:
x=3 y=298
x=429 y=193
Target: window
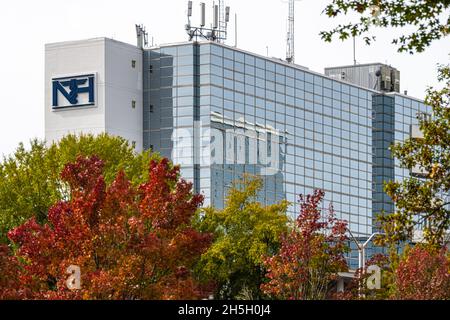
x=133 y=144
x=133 y=64
x=133 y=104
x=151 y=108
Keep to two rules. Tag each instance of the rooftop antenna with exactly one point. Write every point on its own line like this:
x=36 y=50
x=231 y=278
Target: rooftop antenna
x=224 y=18
x=290 y=49
x=218 y=30
x=235 y=30
x=142 y=36
x=203 y=14
x=215 y=16
x=189 y=9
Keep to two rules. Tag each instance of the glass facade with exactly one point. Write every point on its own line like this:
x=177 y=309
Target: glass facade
x=383 y=136
x=171 y=105
x=393 y=117
x=221 y=112
x=406 y=110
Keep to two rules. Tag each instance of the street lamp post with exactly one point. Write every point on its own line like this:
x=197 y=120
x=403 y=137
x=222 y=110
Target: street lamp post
x=362 y=249
x=362 y=253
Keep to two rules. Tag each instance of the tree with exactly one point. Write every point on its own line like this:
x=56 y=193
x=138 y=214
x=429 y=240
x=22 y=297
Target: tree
x=310 y=256
x=129 y=242
x=244 y=231
x=431 y=20
x=423 y=274
x=424 y=200
x=357 y=288
x=9 y=283
x=30 y=179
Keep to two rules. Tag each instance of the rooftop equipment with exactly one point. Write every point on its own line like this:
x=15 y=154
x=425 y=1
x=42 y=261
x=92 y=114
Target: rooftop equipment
x=218 y=29
x=142 y=36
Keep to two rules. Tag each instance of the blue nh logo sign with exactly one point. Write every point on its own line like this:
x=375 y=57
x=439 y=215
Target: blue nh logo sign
x=76 y=91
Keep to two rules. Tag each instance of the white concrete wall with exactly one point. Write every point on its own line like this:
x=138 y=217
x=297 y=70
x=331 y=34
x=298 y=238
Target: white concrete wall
x=74 y=58
x=117 y=84
x=123 y=85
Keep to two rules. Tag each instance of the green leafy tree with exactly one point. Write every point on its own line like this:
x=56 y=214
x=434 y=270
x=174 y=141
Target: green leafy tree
x=429 y=19
x=30 y=179
x=244 y=232
x=424 y=200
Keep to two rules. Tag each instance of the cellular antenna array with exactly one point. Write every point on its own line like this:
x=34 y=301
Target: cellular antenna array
x=142 y=36
x=217 y=32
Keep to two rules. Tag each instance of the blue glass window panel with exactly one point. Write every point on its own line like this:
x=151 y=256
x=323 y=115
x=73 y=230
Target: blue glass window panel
x=229 y=54
x=185 y=91
x=270 y=66
x=239 y=86
x=240 y=67
x=270 y=95
x=228 y=74
x=260 y=73
x=250 y=70
x=280 y=88
x=183 y=81
x=290 y=100
x=260 y=63
x=217 y=50
x=249 y=80
x=218 y=61
x=260 y=83
x=240 y=57
x=228 y=84
x=299 y=75
x=270 y=85
x=239 y=77
x=205 y=49
x=345 y=89
x=260 y=92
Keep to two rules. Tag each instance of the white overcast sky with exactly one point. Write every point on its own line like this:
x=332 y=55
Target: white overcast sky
x=26 y=25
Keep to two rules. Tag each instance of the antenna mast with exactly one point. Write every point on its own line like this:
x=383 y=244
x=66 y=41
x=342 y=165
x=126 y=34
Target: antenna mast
x=290 y=50
x=142 y=36
x=224 y=17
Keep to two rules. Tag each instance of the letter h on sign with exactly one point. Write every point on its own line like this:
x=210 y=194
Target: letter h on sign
x=77 y=90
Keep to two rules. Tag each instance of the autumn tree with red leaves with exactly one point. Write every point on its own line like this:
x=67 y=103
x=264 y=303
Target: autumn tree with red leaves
x=310 y=256
x=423 y=274
x=130 y=243
x=10 y=287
